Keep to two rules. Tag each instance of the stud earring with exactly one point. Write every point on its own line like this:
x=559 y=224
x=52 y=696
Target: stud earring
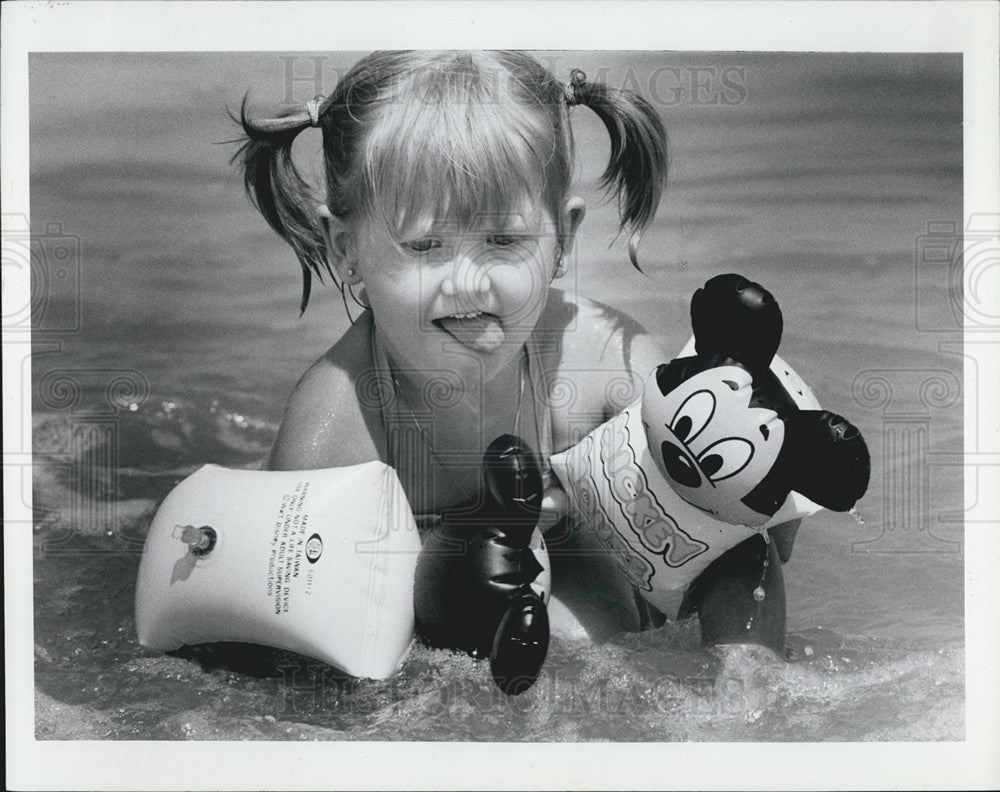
x=351 y=272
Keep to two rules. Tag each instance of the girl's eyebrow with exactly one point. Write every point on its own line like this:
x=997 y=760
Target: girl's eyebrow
x=523 y=220
x=425 y=227
x=509 y=221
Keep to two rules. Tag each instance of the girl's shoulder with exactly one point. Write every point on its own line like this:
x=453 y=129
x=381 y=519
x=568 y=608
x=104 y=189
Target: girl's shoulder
x=592 y=334
x=328 y=405
x=598 y=353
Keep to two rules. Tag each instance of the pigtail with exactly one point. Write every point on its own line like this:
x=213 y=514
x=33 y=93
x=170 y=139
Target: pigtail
x=637 y=168
x=279 y=192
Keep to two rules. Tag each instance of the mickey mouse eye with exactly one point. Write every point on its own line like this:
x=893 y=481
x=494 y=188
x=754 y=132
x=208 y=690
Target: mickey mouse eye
x=725 y=458
x=693 y=415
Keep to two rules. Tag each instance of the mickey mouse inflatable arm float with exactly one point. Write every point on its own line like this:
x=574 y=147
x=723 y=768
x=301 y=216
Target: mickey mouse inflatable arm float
x=724 y=445
x=724 y=431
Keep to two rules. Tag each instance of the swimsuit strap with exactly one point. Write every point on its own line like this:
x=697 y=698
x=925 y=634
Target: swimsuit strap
x=540 y=407
x=384 y=387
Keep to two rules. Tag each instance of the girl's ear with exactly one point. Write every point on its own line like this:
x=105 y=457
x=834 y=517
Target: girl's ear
x=340 y=245
x=573 y=212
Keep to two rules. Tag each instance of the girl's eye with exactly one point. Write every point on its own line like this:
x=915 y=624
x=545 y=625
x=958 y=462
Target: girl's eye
x=423 y=245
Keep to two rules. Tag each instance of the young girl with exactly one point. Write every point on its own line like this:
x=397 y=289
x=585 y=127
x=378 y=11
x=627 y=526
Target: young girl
x=448 y=215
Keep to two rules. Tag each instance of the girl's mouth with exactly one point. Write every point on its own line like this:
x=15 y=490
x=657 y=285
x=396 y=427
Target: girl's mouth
x=482 y=332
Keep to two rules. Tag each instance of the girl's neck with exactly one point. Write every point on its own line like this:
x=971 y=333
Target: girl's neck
x=421 y=391
x=435 y=437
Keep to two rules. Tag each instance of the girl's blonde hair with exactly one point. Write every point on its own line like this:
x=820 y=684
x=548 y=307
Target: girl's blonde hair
x=467 y=134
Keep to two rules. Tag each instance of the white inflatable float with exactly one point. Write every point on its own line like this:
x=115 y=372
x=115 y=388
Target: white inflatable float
x=320 y=562
x=726 y=442
x=660 y=541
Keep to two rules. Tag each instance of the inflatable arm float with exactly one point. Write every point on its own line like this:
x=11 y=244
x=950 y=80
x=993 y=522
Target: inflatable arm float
x=319 y=562
x=482 y=580
x=724 y=443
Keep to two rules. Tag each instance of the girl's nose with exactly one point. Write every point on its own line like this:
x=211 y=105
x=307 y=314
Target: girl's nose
x=481 y=284
x=469 y=278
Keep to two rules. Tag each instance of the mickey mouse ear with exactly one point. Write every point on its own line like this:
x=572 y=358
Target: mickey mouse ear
x=833 y=464
x=736 y=318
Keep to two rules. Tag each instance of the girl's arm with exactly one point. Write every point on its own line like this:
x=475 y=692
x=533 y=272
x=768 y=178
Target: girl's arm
x=597 y=368
x=325 y=425
x=640 y=356
x=619 y=352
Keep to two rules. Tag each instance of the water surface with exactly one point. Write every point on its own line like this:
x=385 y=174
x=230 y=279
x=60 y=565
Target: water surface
x=817 y=177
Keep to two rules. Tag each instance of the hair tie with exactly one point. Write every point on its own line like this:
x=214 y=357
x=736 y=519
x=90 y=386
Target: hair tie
x=313 y=107
x=577 y=78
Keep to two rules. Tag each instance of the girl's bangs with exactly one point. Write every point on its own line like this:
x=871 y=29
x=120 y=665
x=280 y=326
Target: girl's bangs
x=459 y=158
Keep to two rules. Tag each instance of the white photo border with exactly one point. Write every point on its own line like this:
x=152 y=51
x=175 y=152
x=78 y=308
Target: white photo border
x=967 y=27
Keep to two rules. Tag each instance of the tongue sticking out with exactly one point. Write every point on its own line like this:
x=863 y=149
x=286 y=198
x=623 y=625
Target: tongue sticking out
x=482 y=333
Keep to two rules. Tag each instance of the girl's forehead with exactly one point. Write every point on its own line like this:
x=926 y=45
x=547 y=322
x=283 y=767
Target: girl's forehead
x=523 y=214
x=440 y=212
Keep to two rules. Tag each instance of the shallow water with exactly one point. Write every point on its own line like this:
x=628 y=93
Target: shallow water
x=182 y=342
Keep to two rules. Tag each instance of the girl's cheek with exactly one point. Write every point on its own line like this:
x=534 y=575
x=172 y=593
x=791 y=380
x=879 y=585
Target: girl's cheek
x=391 y=267
x=524 y=289
x=519 y=260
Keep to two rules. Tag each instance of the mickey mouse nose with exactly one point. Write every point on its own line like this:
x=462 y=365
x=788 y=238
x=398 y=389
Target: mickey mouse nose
x=678 y=465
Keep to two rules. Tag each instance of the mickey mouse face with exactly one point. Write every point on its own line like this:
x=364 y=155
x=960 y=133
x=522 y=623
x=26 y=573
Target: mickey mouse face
x=712 y=447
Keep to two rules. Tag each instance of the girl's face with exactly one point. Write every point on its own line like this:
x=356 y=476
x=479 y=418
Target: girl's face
x=459 y=296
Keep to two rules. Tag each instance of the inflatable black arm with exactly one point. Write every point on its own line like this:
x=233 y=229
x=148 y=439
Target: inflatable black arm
x=473 y=581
